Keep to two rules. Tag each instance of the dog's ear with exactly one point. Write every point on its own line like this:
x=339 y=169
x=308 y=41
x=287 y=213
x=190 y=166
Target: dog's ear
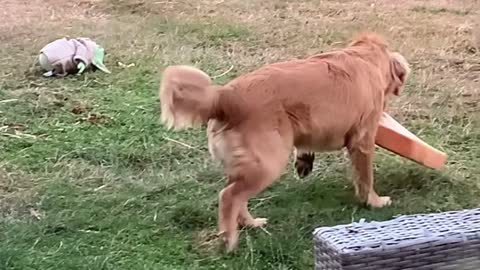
x=400 y=70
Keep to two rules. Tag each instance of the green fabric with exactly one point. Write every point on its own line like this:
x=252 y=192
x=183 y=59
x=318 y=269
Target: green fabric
x=81 y=67
x=97 y=60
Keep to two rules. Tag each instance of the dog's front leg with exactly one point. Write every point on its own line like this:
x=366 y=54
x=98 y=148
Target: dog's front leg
x=362 y=161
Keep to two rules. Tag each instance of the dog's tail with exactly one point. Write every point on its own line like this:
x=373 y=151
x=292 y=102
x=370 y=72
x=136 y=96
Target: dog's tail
x=188 y=98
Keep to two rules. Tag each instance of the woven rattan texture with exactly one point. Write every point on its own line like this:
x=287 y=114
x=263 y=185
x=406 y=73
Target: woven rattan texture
x=449 y=240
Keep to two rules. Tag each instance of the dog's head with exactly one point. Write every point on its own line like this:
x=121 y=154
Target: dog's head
x=399 y=71
x=398 y=68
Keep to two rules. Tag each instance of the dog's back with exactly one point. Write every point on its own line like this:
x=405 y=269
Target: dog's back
x=324 y=96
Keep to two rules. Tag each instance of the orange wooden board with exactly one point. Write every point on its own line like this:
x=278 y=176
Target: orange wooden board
x=394 y=137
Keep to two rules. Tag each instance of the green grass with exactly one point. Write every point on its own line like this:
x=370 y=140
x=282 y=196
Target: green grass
x=115 y=191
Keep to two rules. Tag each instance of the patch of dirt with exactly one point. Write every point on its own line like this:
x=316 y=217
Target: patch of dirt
x=78 y=110
x=207 y=242
x=17 y=195
x=96 y=118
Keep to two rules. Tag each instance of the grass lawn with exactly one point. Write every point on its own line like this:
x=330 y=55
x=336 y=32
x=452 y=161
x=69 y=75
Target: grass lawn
x=89 y=179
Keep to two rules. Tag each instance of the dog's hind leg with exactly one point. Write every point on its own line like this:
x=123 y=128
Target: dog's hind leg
x=250 y=175
x=233 y=204
x=228 y=212
x=247 y=219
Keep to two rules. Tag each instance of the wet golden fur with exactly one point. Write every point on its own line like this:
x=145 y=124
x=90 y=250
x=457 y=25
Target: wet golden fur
x=325 y=102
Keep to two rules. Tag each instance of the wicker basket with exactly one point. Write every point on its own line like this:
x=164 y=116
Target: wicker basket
x=444 y=241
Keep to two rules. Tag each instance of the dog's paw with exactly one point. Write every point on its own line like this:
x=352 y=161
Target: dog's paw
x=379 y=202
x=253 y=222
x=229 y=240
x=258 y=222
x=304 y=164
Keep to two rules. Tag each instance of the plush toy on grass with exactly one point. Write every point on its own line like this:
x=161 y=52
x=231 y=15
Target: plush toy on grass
x=69 y=56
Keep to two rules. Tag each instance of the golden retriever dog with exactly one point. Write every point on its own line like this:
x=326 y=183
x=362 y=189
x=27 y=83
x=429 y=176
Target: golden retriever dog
x=325 y=102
